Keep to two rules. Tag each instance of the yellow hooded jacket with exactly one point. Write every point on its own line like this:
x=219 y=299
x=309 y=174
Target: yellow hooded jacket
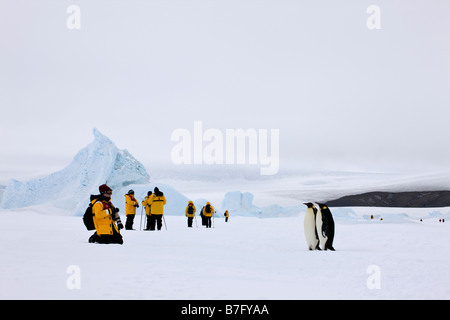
x=187 y=210
x=157 y=204
x=130 y=205
x=103 y=221
x=208 y=214
x=146 y=205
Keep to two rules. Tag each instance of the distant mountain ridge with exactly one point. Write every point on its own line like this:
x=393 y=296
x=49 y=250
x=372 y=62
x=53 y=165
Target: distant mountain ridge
x=411 y=199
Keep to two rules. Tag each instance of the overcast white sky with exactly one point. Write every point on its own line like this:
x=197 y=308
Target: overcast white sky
x=343 y=97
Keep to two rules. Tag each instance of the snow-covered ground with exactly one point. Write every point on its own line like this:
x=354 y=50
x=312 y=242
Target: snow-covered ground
x=259 y=254
x=45 y=255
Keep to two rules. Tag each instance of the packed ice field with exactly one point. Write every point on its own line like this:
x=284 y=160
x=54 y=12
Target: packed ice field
x=46 y=255
x=260 y=253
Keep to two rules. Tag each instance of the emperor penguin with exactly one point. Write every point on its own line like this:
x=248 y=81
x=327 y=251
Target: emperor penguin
x=325 y=227
x=311 y=236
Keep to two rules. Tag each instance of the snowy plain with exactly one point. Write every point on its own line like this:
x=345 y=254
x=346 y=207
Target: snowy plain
x=259 y=254
x=245 y=258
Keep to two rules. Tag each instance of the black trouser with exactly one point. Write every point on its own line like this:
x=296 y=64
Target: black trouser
x=226 y=219
x=147 y=226
x=155 y=219
x=190 y=219
x=208 y=222
x=129 y=223
x=107 y=238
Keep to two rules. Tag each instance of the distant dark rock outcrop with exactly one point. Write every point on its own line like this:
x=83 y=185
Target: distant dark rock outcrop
x=416 y=199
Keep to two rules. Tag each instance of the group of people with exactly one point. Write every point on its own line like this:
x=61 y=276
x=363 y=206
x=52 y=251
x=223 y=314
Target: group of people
x=206 y=214
x=107 y=220
x=154 y=209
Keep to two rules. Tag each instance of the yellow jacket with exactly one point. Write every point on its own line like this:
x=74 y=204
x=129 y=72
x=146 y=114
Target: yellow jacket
x=130 y=205
x=103 y=221
x=157 y=204
x=187 y=210
x=226 y=214
x=206 y=214
x=146 y=205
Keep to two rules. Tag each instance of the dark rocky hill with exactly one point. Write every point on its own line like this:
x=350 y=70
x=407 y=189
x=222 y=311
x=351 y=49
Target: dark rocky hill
x=417 y=199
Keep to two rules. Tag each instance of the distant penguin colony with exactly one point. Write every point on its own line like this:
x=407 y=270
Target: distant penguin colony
x=319 y=227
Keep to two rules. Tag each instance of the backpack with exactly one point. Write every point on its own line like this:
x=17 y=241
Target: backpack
x=190 y=210
x=208 y=209
x=88 y=217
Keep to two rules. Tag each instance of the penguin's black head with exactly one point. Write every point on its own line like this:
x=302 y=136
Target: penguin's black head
x=322 y=206
x=309 y=204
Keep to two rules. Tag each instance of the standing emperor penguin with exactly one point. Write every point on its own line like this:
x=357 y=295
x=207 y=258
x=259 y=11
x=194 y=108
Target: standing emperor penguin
x=311 y=236
x=325 y=227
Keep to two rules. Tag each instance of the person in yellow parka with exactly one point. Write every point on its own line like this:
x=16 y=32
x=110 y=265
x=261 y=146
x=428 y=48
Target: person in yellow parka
x=208 y=212
x=103 y=215
x=226 y=214
x=147 y=207
x=157 y=202
x=190 y=213
x=130 y=209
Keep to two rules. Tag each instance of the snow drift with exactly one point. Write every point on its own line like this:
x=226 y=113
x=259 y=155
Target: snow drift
x=241 y=204
x=99 y=162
